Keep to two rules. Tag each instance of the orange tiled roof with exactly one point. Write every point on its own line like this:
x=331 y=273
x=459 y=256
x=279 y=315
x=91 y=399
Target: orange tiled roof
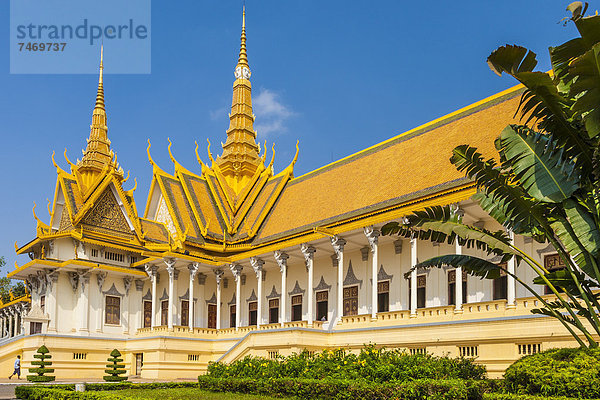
x=403 y=168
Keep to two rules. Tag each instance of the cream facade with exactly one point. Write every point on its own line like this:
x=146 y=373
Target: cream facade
x=234 y=259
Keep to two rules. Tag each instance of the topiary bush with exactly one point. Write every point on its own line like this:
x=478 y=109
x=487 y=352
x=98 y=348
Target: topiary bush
x=557 y=372
x=115 y=369
x=39 y=372
x=371 y=364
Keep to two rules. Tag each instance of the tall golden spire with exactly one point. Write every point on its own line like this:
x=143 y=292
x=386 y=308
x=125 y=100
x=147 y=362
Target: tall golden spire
x=97 y=154
x=240 y=157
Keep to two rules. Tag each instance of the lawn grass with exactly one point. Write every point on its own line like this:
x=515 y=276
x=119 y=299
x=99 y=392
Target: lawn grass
x=179 y=394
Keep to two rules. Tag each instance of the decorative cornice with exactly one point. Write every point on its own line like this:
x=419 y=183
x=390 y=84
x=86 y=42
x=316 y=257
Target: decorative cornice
x=296 y=290
x=351 y=279
x=147 y=296
x=273 y=294
x=212 y=300
x=252 y=297
x=186 y=295
x=322 y=285
x=164 y=296
x=113 y=291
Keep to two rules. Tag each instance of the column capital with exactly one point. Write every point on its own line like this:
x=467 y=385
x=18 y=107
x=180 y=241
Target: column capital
x=257 y=265
x=127 y=281
x=100 y=277
x=372 y=235
x=170 y=266
x=236 y=270
x=193 y=268
x=151 y=270
x=308 y=251
x=338 y=244
x=219 y=275
x=281 y=257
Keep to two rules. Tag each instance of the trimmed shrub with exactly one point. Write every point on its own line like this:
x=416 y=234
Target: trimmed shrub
x=39 y=372
x=372 y=365
x=432 y=389
x=556 y=372
x=115 y=370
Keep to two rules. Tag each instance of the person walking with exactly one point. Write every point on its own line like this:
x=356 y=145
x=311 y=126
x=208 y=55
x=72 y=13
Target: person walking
x=17 y=371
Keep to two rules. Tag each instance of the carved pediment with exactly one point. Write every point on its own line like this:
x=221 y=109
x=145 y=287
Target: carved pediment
x=107 y=214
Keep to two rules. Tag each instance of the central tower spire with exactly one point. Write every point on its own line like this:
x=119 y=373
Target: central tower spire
x=97 y=154
x=240 y=158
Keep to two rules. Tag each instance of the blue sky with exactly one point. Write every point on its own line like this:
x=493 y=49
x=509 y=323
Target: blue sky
x=339 y=76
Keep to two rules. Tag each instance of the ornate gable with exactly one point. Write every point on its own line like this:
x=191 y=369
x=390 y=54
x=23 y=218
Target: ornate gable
x=107 y=214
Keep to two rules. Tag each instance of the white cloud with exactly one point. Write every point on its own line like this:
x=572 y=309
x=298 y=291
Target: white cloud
x=271 y=113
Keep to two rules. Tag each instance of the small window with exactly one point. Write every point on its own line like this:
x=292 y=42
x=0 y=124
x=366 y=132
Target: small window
x=383 y=296
x=43 y=303
x=273 y=311
x=232 y=316
x=79 y=356
x=417 y=350
x=528 y=349
x=94 y=252
x=468 y=351
x=35 y=327
x=322 y=305
x=297 y=308
x=111 y=256
x=113 y=310
x=421 y=293
x=193 y=357
x=252 y=312
x=273 y=354
x=133 y=259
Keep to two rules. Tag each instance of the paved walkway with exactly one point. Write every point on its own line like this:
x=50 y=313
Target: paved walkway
x=7 y=387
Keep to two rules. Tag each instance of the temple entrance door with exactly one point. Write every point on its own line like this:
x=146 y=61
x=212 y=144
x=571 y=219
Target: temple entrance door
x=351 y=300
x=212 y=316
x=147 y=314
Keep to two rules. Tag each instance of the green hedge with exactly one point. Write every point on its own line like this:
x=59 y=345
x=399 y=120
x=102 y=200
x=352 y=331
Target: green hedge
x=557 y=372
x=510 y=396
x=432 y=389
x=67 y=391
x=370 y=365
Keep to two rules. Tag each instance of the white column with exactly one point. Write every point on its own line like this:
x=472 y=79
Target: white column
x=281 y=258
x=171 y=271
x=10 y=322
x=218 y=276
x=84 y=299
x=126 y=322
x=373 y=237
x=2 y=324
x=236 y=270
x=257 y=266
x=309 y=255
x=151 y=270
x=51 y=303
x=458 y=283
x=193 y=268
x=413 y=278
x=510 y=281
x=100 y=277
x=338 y=246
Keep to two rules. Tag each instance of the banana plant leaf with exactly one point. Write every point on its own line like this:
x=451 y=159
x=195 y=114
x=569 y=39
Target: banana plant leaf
x=585 y=89
x=541 y=171
x=472 y=265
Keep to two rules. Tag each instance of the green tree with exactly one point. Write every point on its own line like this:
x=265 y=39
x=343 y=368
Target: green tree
x=545 y=185
x=116 y=368
x=39 y=372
